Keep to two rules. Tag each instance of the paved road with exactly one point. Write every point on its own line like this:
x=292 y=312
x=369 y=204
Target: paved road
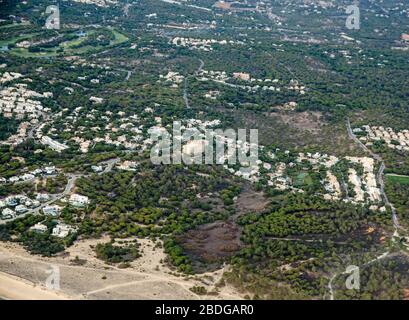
x=379 y=176
x=364 y=147
x=378 y=258
x=128 y=73
x=30 y=134
x=54 y=198
x=185 y=94
x=109 y=165
x=72 y=178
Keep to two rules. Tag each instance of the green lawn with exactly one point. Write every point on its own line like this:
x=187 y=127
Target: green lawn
x=393 y=178
x=302 y=179
x=22 y=52
x=13 y=25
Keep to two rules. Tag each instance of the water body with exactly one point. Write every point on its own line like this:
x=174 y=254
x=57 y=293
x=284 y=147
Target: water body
x=81 y=33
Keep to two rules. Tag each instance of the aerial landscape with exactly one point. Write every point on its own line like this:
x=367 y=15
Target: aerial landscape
x=204 y=150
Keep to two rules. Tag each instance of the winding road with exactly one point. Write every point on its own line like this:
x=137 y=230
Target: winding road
x=379 y=176
x=54 y=198
x=185 y=94
x=381 y=183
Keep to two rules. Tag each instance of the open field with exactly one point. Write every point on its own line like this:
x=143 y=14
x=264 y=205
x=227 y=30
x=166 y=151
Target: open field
x=23 y=276
x=68 y=46
x=396 y=178
x=15 y=288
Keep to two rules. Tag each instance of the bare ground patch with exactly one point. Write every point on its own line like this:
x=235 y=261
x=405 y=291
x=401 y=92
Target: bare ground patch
x=147 y=278
x=212 y=244
x=250 y=200
x=303 y=121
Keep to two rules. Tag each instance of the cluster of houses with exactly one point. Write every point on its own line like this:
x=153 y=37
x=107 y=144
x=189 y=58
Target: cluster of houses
x=21 y=133
x=120 y=130
x=16 y=205
x=20 y=204
x=365 y=186
x=127 y=165
x=46 y=171
x=201 y=44
x=394 y=140
x=256 y=83
x=61 y=230
x=250 y=173
x=9 y=76
x=367 y=183
x=54 y=210
x=99 y=3
x=277 y=178
x=172 y=77
x=18 y=101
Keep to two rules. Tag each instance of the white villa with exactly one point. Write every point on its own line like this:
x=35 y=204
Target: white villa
x=52 y=210
x=39 y=227
x=7 y=214
x=62 y=230
x=55 y=145
x=78 y=200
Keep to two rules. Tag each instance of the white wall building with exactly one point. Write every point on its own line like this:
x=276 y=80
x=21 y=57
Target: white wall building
x=62 y=230
x=79 y=200
x=55 y=145
x=7 y=214
x=52 y=210
x=39 y=227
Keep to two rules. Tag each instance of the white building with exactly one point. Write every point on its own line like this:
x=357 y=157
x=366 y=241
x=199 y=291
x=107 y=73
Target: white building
x=42 y=197
x=55 y=145
x=39 y=227
x=96 y=100
x=7 y=214
x=14 y=179
x=37 y=172
x=35 y=203
x=21 y=209
x=50 y=170
x=52 y=210
x=96 y=168
x=11 y=201
x=62 y=230
x=27 y=177
x=78 y=200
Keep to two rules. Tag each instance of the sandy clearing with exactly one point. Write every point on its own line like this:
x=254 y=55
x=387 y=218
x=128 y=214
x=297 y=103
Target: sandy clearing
x=15 y=288
x=147 y=278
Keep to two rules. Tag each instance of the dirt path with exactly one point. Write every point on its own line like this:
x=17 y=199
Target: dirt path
x=144 y=280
